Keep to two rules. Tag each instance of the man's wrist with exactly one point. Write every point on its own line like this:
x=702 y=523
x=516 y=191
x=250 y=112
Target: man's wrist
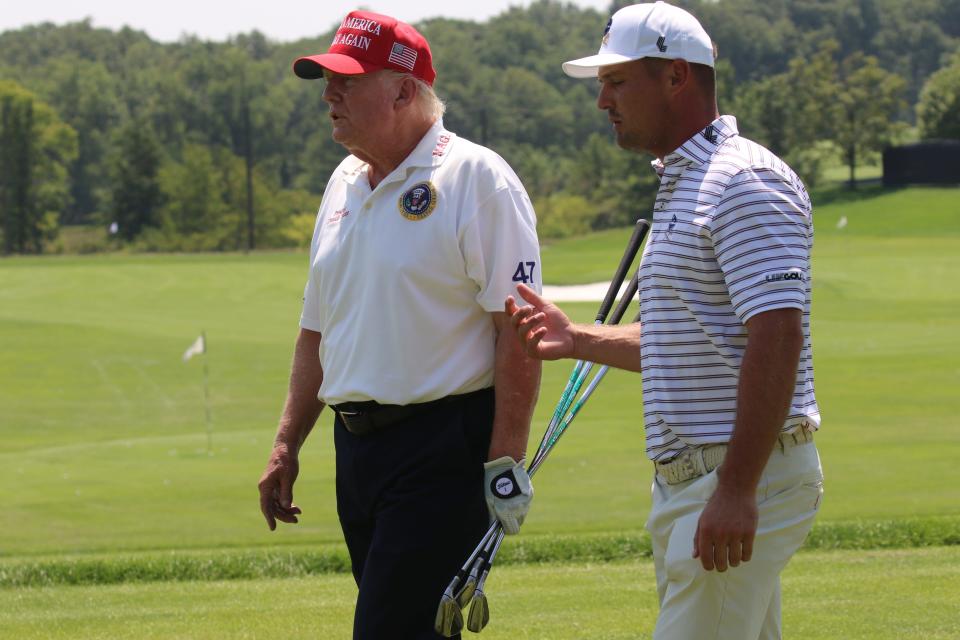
x=733 y=482
x=286 y=445
x=579 y=339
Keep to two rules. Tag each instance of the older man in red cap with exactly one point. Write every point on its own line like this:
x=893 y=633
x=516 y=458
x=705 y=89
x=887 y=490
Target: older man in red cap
x=419 y=237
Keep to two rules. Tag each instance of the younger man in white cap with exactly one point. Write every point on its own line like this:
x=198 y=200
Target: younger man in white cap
x=723 y=343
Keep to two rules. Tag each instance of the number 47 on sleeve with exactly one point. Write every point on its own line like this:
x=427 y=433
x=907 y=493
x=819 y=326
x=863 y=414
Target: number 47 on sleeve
x=524 y=272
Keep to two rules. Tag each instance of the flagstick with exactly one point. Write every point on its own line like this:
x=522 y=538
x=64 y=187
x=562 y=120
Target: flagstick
x=206 y=395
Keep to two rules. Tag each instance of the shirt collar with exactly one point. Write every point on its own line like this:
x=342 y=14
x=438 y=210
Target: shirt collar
x=431 y=151
x=702 y=145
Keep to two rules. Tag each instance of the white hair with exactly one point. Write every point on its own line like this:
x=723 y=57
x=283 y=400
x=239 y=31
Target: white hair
x=428 y=102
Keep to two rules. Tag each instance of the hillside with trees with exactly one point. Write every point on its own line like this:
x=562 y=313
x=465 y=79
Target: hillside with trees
x=198 y=145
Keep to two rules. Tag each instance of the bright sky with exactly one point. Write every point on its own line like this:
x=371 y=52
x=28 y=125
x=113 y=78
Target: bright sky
x=167 y=20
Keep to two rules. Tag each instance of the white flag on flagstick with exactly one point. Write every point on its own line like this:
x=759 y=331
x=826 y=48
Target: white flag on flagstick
x=196 y=348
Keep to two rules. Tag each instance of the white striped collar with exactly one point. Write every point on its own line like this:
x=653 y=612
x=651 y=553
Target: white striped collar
x=702 y=145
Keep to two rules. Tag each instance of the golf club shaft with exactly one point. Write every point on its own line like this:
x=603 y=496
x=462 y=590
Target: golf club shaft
x=538 y=460
x=640 y=230
x=567 y=400
x=582 y=369
x=573 y=383
x=489 y=563
x=633 y=246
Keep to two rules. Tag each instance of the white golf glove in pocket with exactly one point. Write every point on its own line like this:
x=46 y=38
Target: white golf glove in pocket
x=508 y=491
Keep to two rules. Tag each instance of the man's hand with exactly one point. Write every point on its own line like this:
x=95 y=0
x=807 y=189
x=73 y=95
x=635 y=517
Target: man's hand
x=276 y=487
x=545 y=332
x=726 y=529
x=508 y=491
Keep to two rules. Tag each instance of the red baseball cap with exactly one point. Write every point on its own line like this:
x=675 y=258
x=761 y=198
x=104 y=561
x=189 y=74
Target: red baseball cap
x=368 y=42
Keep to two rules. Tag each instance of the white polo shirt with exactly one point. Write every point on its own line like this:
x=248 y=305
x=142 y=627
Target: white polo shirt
x=403 y=278
x=732 y=236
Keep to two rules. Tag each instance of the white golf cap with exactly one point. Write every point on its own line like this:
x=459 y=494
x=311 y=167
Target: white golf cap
x=651 y=30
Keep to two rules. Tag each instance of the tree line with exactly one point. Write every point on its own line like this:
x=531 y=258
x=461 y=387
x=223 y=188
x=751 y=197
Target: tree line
x=199 y=145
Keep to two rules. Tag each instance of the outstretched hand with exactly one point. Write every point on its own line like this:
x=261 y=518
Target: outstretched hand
x=545 y=332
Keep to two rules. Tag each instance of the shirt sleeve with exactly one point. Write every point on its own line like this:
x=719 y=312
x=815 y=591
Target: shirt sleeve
x=762 y=234
x=500 y=247
x=310 y=313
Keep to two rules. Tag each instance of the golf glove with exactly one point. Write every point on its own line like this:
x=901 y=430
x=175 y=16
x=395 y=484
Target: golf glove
x=508 y=491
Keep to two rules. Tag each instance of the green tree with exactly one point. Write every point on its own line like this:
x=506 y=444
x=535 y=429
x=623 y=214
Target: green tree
x=36 y=149
x=938 y=111
x=870 y=99
x=241 y=96
x=789 y=112
x=134 y=189
x=194 y=206
x=83 y=95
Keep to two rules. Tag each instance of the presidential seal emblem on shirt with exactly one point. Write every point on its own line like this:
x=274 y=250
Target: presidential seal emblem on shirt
x=419 y=201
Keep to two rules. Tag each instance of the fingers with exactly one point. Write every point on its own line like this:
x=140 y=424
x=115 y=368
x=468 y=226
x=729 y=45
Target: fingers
x=510 y=525
x=747 y=548
x=276 y=499
x=530 y=295
x=285 y=497
x=734 y=553
x=721 y=555
x=266 y=506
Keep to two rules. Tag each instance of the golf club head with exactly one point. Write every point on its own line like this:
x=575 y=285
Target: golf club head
x=479 y=614
x=466 y=593
x=449 y=621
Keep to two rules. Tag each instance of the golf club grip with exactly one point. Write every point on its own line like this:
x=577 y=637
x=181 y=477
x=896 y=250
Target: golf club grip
x=633 y=246
x=625 y=301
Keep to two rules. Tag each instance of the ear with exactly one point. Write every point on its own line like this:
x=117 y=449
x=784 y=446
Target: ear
x=678 y=76
x=406 y=93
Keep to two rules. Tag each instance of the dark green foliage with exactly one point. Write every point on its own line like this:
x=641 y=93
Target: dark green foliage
x=785 y=69
x=18 y=208
x=135 y=195
x=35 y=150
x=938 y=112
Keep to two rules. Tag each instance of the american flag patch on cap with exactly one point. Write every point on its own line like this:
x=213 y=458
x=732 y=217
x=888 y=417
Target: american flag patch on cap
x=403 y=56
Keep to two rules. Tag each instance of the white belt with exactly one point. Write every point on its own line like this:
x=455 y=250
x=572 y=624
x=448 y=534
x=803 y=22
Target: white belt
x=691 y=463
x=701 y=460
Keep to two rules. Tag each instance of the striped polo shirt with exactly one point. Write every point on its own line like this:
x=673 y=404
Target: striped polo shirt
x=731 y=237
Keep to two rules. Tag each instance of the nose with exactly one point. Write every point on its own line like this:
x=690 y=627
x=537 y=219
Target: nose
x=330 y=92
x=604 y=103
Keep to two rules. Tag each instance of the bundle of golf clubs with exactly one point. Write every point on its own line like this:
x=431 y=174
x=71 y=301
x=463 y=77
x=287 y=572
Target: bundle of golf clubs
x=466 y=588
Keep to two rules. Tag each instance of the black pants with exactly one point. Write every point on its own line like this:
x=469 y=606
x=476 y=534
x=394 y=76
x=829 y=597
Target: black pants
x=411 y=504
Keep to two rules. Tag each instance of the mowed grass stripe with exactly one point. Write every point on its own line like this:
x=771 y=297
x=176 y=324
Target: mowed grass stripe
x=853 y=595
x=246 y=564
x=103 y=433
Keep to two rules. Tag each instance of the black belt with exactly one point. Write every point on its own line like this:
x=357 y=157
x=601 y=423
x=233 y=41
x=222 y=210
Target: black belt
x=364 y=418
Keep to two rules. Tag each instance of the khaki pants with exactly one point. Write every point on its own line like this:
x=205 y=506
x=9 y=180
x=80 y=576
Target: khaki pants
x=742 y=603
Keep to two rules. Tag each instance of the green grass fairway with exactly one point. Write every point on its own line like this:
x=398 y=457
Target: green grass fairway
x=827 y=595
x=102 y=425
